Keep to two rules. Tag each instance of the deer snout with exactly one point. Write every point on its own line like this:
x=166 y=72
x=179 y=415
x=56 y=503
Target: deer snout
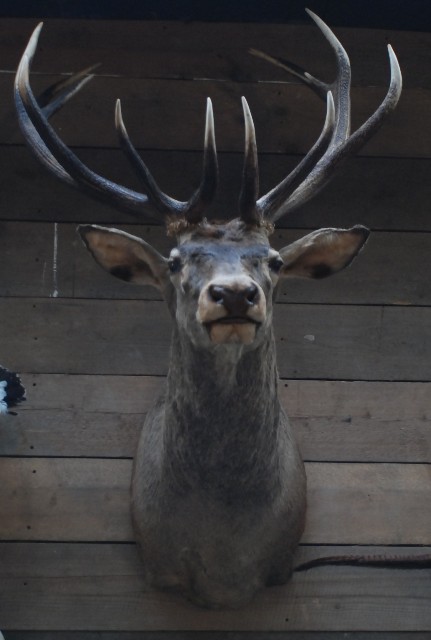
x=232 y=309
x=237 y=302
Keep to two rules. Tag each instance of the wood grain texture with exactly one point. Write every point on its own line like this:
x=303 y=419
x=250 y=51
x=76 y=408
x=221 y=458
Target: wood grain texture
x=176 y=112
x=321 y=342
x=88 y=500
x=381 y=193
x=93 y=587
x=102 y=416
x=389 y=271
x=210 y=50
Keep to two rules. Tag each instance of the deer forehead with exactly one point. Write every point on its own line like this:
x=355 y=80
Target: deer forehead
x=226 y=244
x=218 y=253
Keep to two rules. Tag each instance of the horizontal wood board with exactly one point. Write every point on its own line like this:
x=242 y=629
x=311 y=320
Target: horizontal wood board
x=91 y=587
x=132 y=337
x=209 y=50
x=288 y=117
x=389 y=271
x=381 y=193
x=101 y=416
x=214 y=635
x=87 y=500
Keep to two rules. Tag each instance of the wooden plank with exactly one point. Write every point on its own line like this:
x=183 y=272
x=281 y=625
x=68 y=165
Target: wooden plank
x=87 y=500
x=390 y=271
x=213 y=635
x=210 y=50
x=333 y=421
x=175 y=110
x=382 y=193
x=62 y=490
x=95 y=587
x=313 y=341
x=72 y=433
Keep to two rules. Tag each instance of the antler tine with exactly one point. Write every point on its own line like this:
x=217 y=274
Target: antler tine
x=325 y=168
x=158 y=198
x=61 y=161
x=205 y=193
x=271 y=202
x=55 y=96
x=250 y=175
x=194 y=207
x=319 y=87
x=337 y=123
x=340 y=87
x=55 y=155
x=27 y=127
x=291 y=193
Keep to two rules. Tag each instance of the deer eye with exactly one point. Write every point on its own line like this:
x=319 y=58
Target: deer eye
x=275 y=264
x=175 y=264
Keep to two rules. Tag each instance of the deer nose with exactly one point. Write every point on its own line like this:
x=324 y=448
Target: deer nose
x=236 y=301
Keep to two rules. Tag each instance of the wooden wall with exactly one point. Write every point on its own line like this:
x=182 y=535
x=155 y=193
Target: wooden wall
x=354 y=351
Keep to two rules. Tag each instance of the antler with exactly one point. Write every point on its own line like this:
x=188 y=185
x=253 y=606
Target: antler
x=63 y=163
x=335 y=143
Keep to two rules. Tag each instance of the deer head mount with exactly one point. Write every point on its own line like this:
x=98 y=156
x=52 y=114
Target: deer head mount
x=218 y=491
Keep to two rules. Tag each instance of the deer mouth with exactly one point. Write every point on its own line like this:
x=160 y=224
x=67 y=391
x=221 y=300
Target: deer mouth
x=233 y=320
x=232 y=330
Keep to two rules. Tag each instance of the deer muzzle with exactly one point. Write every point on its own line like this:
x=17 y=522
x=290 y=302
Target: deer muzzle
x=232 y=310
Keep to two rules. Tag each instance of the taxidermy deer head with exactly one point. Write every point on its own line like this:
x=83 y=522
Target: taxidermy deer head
x=218 y=490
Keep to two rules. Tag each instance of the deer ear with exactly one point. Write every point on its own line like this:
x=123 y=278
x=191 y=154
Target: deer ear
x=125 y=256
x=323 y=252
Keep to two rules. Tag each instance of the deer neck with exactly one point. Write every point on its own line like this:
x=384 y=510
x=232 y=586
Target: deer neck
x=208 y=378
x=222 y=416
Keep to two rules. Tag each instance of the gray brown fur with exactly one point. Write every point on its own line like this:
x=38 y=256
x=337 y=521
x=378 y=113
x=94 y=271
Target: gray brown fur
x=219 y=487
x=218 y=483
